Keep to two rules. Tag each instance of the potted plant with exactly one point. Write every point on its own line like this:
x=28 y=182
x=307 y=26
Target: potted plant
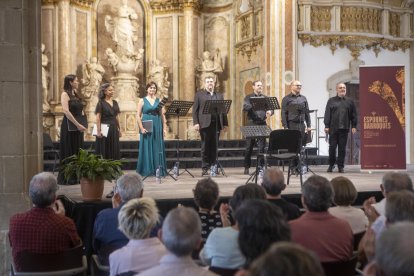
x=91 y=170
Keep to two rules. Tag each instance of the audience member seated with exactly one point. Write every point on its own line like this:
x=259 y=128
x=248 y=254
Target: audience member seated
x=274 y=183
x=286 y=259
x=261 y=224
x=206 y=195
x=329 y=237
x=394 y=253
x=136 y=219
x=221 y=248
x=399 y=208
x=106 y=235
x=44 y=228
x=391 y=182
x=345 y=195
x=181 y=234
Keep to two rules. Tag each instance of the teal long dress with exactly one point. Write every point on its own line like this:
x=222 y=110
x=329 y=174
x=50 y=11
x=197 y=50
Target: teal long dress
x=151 y=145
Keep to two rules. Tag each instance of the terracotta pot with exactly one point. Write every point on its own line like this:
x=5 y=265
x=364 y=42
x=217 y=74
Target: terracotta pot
x=92 y=190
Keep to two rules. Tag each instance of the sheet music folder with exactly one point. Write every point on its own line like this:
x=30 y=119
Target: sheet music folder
x=82 y=119
x=147 y=124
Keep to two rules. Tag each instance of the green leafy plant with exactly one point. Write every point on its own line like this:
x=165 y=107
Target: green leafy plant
x=92 y=166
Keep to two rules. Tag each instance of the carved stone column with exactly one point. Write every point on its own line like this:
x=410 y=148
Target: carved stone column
x=188 y=71
x=64 y=50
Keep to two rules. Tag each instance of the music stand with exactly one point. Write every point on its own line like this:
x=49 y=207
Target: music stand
x=264 y=103
x=255 y=132
x=217 y=107
x=179 y=108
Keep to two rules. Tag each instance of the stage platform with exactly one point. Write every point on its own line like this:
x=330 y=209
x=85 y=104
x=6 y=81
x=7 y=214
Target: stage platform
x=181 y=190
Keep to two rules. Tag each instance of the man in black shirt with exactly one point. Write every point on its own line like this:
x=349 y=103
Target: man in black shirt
x=295 y=110
x=340 y=114
x=257 y=117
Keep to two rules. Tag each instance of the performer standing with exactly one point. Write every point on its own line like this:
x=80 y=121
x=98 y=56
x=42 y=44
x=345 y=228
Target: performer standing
x=70 y=140
x=151 y=143
x=340 y=114
x=257 y=117
x=107 y=112
x=294 y=117
x=209 y=125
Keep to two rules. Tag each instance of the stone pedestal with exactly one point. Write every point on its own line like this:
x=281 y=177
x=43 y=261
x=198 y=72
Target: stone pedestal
x=126 y=88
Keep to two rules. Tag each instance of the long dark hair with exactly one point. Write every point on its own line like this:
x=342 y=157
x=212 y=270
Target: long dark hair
x=67 y=86
x=101 y=94
x=151 y=83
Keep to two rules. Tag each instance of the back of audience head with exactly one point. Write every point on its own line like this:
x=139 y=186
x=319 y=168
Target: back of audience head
x=42 y=189
x=273 y=181
x=260 y=224
x=400 y=206
x=181 y=231
x=129 y=186
x=394 y=252
x=206 y=193
x=396 y=181
x=137 y=217
x=286 y=259
x=317 y=194
x=345 y=192
x=244 y=192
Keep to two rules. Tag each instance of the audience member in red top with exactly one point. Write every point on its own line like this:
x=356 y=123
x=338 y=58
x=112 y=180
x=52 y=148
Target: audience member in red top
x=44 y=228
x=329 y=237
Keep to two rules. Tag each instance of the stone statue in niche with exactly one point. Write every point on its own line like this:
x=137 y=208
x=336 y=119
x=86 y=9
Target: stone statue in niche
x=123 y=28
x=45 y=80
x=125 y=60
x=92 y=77
x=158 y=73
x=209 y=66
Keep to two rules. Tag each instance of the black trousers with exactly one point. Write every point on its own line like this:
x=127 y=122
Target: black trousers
x=250 y=143
x=338 y=138
x=209 y=141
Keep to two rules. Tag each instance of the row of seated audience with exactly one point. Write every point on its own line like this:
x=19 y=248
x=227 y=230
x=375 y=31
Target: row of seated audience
x=256 y=233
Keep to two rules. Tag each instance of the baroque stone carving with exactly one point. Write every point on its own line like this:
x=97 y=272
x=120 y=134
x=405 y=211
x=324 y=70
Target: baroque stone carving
x=209 y=66
x=158 y=73
x=354 y=43
x=167 y=6
x=320 y=19
x=92 y=76
x=361 y=19
x=45 y=81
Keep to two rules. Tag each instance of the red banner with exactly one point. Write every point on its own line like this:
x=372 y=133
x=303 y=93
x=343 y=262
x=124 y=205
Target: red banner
x=382 y=117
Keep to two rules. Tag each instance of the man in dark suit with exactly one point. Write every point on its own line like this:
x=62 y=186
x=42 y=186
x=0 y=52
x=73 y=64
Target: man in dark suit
x=340 y=115
x=209 y=125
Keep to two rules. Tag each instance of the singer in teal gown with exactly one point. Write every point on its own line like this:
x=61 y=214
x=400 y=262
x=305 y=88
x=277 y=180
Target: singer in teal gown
x=151 y=153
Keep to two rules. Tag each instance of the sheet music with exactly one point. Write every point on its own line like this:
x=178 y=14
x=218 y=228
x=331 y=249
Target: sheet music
x=104 y=130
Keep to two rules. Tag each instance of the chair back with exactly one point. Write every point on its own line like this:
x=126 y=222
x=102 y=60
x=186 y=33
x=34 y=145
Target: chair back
x=223 y=271
x=342 y=268
x=47 y=141
x=285 y=140
x=44 y=262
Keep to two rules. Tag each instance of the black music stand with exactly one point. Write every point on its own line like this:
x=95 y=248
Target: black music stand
x=264 y=103
x=179 y=108
x=255 y=132
x=217 y=107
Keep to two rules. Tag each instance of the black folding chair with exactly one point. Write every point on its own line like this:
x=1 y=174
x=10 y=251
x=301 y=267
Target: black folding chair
x=284 y=145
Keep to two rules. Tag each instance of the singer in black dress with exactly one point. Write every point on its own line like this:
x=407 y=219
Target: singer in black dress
x=107 y=112
x=70 y=141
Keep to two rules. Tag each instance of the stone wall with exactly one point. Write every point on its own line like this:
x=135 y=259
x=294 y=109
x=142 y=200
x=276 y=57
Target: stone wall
x=20 y=110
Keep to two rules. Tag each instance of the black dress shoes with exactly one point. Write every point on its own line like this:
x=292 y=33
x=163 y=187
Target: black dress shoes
x=246 y=171
x=330 y=168
x=341 y=170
